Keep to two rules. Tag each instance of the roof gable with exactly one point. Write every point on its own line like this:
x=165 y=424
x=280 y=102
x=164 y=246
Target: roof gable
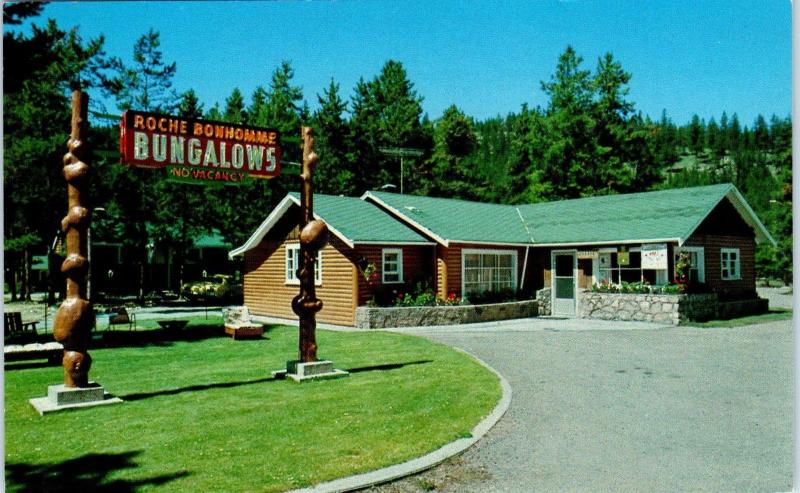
x=352 y=220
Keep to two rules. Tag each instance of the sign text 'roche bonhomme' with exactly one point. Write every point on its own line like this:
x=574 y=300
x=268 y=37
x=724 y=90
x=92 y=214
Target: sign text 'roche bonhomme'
x=199 y=150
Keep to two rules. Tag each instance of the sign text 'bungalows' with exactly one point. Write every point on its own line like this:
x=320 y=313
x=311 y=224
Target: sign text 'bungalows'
x=199 y=150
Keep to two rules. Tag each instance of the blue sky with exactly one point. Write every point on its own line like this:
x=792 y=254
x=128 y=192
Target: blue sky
x=488 y=58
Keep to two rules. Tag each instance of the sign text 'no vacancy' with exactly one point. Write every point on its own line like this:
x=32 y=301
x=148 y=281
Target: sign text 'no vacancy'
x=199 y=151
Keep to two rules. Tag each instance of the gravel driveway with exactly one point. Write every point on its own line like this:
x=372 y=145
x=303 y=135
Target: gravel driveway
x=660 y=409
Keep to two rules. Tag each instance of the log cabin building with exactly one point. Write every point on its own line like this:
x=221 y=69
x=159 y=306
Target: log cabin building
x=382 y=243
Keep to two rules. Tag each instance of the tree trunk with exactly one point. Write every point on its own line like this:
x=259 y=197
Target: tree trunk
x=12 y=281
x=26 y=274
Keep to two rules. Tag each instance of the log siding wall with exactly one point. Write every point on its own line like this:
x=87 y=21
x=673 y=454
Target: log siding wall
x=712 y=244
x=417 y=267
x=266 y=291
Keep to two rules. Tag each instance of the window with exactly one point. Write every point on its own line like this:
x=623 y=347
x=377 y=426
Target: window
x=488 y=270
x=293 y=262
x=617 y=267
x=392 y=265
x=697 y=262
x=731 y=265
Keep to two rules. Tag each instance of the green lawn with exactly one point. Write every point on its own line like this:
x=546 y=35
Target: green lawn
x=771 y=316
x=201 y=412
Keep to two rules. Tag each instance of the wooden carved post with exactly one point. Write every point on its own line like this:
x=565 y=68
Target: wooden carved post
x=313 y=236
x=75 y=317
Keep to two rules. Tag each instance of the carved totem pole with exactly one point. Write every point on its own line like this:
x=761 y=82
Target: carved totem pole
x=75 y=317
x=313 y=236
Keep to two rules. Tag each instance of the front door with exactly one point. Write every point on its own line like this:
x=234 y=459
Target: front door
x=563 y=283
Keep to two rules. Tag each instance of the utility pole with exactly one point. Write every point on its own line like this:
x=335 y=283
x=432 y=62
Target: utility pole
x=402 y=152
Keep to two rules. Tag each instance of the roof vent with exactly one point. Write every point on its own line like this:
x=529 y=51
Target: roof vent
x=411 y=208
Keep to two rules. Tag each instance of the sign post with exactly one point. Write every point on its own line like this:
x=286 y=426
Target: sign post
x=313 y=237
x=73 y=322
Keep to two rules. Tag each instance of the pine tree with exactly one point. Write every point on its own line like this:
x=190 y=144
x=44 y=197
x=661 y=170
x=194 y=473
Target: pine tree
x=147 y=84
x=234 y=108
x=334 y=173
x=40 y=69
x=568 y=145
x=190 y=106
x=385 y=114
x=452 y=174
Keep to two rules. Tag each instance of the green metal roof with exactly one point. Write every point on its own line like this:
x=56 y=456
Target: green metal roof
x=361 y=222
x=39 y=262
x=458 y=220
x=212 y=240
x=659 y=215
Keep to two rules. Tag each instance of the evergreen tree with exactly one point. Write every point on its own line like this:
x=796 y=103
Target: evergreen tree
x=190 y=106
x=385 y=114
x=696 y=136
x=334 y=173
x=452 y=174
x=567 y=148
x=234 y=108
x=761 y=134
x=665 y=142
x=734 y=133
x=147 y=84
x=41 y=68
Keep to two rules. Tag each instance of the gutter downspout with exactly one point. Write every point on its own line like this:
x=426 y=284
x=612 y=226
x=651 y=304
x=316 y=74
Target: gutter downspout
x=527 y=249
x=524 y=269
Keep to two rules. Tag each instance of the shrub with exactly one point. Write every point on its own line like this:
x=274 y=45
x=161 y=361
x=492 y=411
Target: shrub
x=500 y=296
x=604 y=286
x=674 y=289
x=641 y=287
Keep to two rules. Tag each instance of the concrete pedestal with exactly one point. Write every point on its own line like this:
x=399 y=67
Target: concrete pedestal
x=61 y=398
x=300 y=372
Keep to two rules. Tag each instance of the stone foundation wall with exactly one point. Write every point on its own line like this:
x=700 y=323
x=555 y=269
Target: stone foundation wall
x=543 y=298
x=664 y=308
x=416 y=316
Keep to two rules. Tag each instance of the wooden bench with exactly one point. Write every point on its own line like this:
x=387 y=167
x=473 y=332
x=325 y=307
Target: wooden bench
x=53 y=352
x=15 y=328
x=238 y=324
x=120 y=316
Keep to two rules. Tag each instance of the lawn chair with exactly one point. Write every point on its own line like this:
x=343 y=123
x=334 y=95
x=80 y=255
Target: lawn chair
x=120 y=316
x=16 y=328
x=238 y=324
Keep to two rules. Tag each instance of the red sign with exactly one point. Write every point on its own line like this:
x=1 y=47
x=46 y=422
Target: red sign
x=199 y=148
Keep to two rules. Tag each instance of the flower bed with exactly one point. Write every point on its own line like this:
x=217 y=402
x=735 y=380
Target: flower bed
x=414 y=316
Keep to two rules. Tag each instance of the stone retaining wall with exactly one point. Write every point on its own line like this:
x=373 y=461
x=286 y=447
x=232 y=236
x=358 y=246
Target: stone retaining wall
x=543 y=298
x=415 y=316
x=664 y=308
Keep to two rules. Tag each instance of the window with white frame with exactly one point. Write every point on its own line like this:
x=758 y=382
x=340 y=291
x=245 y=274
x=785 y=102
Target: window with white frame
x=731 y=263
x=616 y=267
x=392 y=265
x=488 y=270
x=293 y=262
x=697 y=262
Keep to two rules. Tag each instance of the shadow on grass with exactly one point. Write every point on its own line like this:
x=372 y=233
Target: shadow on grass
x=162 y=337
x=224 y=385
x=12 y=365
x=388 y=366
x=88 y=473
x=194 y=388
